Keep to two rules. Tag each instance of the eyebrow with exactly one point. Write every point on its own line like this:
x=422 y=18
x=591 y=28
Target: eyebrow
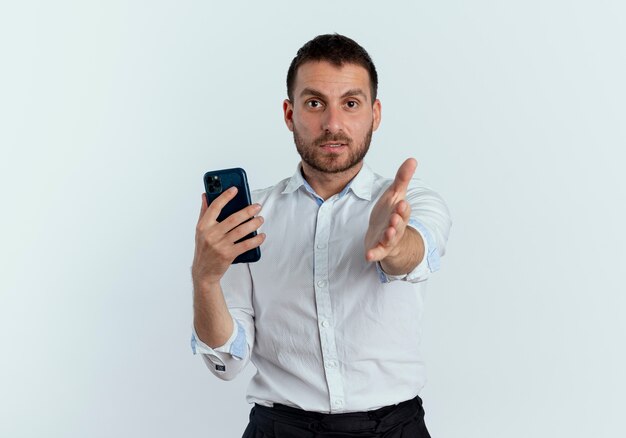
x=352 y=92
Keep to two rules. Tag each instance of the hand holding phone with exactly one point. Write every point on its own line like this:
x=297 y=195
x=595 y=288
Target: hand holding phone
x=224 y=232
x=216 y=183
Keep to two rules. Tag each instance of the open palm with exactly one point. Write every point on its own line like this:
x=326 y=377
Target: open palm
x=390 y=216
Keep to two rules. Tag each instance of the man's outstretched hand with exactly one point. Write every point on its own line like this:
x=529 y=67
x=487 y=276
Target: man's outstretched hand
x=387 y=239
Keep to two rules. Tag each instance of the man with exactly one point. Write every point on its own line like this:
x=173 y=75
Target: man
x=331 y=314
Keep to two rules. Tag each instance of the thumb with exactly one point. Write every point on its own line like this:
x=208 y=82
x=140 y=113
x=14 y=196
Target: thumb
x=204 y=206
x=404 y=175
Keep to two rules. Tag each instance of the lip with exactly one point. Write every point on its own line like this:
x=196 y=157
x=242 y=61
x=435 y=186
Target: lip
x=333 y=150
x=328 y=145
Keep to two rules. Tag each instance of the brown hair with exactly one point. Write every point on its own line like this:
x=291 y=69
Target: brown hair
x=336 y=49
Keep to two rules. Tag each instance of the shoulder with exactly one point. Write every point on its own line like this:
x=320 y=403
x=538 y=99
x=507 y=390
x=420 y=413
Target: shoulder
x=263 y=195
x=417 y=187
x=419 y=194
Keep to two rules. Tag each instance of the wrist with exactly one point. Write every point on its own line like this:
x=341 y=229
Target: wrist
x=391 y=268
x=403 y=257
x=206 y=286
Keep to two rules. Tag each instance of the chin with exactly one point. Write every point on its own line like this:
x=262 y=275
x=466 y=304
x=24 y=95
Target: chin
x=332 y=166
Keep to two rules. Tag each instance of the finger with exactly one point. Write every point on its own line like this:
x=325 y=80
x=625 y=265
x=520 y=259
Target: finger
x=404 y=175
x=395 y=220
x=203 y=207
x=403 y=209
x=239 y=217
x=375 y=254
x=370 y=255
x=249 y=244
x=388 y=236
x=218 y=203
x=244 y=229
x=399 y=228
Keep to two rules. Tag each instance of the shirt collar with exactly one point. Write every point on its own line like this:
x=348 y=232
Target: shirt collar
x=360 y=185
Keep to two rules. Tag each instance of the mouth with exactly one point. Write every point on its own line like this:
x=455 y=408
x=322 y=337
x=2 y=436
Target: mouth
x=333 y=145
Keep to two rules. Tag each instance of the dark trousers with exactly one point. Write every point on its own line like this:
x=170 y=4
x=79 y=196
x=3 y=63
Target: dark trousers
x=403 y=420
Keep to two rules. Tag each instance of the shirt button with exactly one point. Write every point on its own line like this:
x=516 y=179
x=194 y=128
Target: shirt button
x=331 y=364
x=338 y=403
x=321 y=245
x=325 y=323
x=321 y=283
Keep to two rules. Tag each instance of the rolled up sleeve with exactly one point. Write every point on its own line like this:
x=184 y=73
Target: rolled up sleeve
x=430 y=217
x=229 y=359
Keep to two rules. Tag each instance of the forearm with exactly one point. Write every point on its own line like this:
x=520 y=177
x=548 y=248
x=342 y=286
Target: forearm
x=212 y=320
x=406 y=256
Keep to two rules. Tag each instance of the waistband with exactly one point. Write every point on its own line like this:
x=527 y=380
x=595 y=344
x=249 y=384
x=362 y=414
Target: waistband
x=376 y=421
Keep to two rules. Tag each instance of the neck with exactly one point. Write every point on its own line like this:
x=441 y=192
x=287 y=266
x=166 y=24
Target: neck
x=328 y=184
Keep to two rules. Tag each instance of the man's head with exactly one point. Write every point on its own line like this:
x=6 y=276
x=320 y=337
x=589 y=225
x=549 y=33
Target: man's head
x=337 y=50
x=332 y=107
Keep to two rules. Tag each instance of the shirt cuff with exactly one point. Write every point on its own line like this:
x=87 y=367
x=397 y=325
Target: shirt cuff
x=235 y=345
x=429 y=264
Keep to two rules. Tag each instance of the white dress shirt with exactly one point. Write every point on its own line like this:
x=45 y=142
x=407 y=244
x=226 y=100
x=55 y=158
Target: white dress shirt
x=326 y=330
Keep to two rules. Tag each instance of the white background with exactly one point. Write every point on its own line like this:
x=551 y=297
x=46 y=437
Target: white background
x=111 y=111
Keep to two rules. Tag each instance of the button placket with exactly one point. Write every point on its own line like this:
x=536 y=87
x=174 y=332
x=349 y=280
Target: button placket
x=324 y=308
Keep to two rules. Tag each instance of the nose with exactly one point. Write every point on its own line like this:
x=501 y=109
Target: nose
x=331 y=120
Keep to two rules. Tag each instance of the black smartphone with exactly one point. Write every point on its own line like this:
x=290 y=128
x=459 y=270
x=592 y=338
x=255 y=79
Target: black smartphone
x=215 y=182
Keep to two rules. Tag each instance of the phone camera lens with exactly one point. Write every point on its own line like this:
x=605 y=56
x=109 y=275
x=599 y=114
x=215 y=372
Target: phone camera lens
x=214 y=185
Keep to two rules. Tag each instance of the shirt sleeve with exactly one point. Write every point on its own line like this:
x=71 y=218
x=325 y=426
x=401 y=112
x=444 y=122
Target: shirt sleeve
x=430 y=217
x=228 y=360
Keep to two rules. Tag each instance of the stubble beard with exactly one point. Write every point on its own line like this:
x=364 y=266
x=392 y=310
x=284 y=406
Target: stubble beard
x=316 y=158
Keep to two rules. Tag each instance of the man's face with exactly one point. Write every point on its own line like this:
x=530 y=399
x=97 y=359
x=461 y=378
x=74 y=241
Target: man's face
x=332 y=116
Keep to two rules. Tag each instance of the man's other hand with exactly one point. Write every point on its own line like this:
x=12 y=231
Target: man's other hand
x=386 y=239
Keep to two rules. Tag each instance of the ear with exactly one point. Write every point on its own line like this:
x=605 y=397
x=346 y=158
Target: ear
x=288 y=113
x=376 y=112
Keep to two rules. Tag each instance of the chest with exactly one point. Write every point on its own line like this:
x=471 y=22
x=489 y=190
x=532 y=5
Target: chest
x=307 y=244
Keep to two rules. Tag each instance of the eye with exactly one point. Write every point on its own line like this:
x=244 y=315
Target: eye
x=313 y=103
x=352 y=104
